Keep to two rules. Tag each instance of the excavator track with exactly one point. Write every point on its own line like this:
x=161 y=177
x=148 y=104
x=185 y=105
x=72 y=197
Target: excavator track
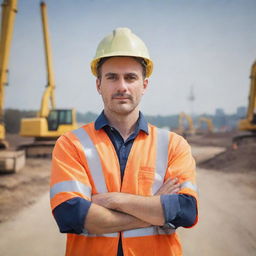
x=244 y=139
x=38 y=149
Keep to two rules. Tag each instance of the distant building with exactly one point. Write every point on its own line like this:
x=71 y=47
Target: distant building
x=219 y=112
x=241 y=112
x=220 y=120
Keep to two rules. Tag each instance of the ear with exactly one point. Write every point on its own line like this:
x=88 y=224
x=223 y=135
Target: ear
x=145 y=85
x=98 y=85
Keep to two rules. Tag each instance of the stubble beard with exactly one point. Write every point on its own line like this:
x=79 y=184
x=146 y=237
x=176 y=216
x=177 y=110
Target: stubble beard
x=124 y=108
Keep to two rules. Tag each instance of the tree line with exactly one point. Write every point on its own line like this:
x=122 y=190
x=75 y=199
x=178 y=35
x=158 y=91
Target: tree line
x=12 y=119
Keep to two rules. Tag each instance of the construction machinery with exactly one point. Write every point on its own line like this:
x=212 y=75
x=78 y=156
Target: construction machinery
x=207 y=121
x=249 y=123
x=10 y=160
x=50 y=122
x=183 y=129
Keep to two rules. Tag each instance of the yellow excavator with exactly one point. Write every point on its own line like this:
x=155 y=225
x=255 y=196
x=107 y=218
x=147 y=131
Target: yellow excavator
x=50 y=122
x=10 y=160
x=249 y=123
x=183 y=117
x=208 y=122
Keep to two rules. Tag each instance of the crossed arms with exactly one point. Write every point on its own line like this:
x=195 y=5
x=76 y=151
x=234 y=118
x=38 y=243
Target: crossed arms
x=115 y=212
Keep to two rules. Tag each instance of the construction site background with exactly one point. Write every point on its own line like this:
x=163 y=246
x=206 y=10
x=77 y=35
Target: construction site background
x=221 y=143
x=221 y=121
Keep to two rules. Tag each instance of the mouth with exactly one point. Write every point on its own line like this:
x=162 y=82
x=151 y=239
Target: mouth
x=120 y=96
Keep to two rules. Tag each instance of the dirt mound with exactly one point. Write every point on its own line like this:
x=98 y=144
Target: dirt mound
x=241 y=159
x=221 y=139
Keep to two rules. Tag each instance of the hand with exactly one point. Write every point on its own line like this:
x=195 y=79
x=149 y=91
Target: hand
x=171 y=186
x=107 y=200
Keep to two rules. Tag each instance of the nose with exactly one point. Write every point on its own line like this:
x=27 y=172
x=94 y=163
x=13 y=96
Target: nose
x=122 y=85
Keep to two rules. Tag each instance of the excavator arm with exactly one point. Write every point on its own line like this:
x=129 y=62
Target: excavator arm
x=181 y=129
x=206 y=120
x=10 y=160
x=50 y=122
x=9 y=9
x=49 y=93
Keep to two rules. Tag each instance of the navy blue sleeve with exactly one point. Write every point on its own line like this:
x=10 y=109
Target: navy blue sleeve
x=179 y=210
x=70 y=215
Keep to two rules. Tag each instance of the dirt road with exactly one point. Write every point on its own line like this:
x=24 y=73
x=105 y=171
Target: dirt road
x=227 y=210
x=32 y=232
x=226 y=226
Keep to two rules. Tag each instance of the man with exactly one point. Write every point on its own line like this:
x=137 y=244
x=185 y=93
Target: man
x=121 y=186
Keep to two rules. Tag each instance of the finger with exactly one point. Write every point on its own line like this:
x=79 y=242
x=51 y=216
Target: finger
x=172 y=188
x=168 y=189
x=175 y=191
x=167 y=186
x=170 y=181
x=175 y=181
x=171 y=184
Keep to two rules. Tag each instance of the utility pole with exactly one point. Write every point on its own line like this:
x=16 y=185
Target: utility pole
x=191 y=99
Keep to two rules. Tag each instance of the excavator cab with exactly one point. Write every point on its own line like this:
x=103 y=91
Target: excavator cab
x=59 y=117
x=254 y=119
x=57 y=122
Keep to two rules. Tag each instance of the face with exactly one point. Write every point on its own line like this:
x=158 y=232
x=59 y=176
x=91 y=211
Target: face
x=121 y=85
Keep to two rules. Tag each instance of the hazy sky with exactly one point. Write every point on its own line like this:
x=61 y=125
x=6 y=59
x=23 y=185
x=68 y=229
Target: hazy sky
x=207 y=44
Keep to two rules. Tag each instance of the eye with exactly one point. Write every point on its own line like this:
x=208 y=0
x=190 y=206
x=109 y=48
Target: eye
x=131 y=77
x=111 y=77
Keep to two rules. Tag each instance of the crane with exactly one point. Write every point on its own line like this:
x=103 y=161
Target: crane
x=10 y=160
x=50 y=122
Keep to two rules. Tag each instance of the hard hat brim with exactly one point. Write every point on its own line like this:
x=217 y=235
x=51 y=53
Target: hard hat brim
x=94 y=63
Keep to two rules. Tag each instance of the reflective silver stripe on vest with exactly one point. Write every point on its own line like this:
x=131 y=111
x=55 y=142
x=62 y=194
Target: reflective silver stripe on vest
x=161 y=158
x=189 y=184
x=70 y=186
x=93 y=160
x=101 y=235
x=161 y=166
x=96 y=171
x=150 y=231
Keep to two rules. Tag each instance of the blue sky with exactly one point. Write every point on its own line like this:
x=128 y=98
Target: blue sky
x=207 y=44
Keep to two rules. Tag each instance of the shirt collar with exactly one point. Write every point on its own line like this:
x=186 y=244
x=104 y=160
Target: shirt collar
x=102 y=121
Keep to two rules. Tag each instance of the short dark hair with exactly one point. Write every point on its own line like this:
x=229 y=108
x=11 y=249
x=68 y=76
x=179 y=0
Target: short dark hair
x=141 y=61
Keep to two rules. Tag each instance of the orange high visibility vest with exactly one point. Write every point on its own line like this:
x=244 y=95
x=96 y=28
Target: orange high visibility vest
x=85 y=162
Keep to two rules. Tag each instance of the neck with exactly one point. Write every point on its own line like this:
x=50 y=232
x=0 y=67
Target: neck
x=125 y=124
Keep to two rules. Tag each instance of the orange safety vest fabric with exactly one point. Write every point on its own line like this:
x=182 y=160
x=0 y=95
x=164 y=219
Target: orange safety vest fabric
x=70 y=166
